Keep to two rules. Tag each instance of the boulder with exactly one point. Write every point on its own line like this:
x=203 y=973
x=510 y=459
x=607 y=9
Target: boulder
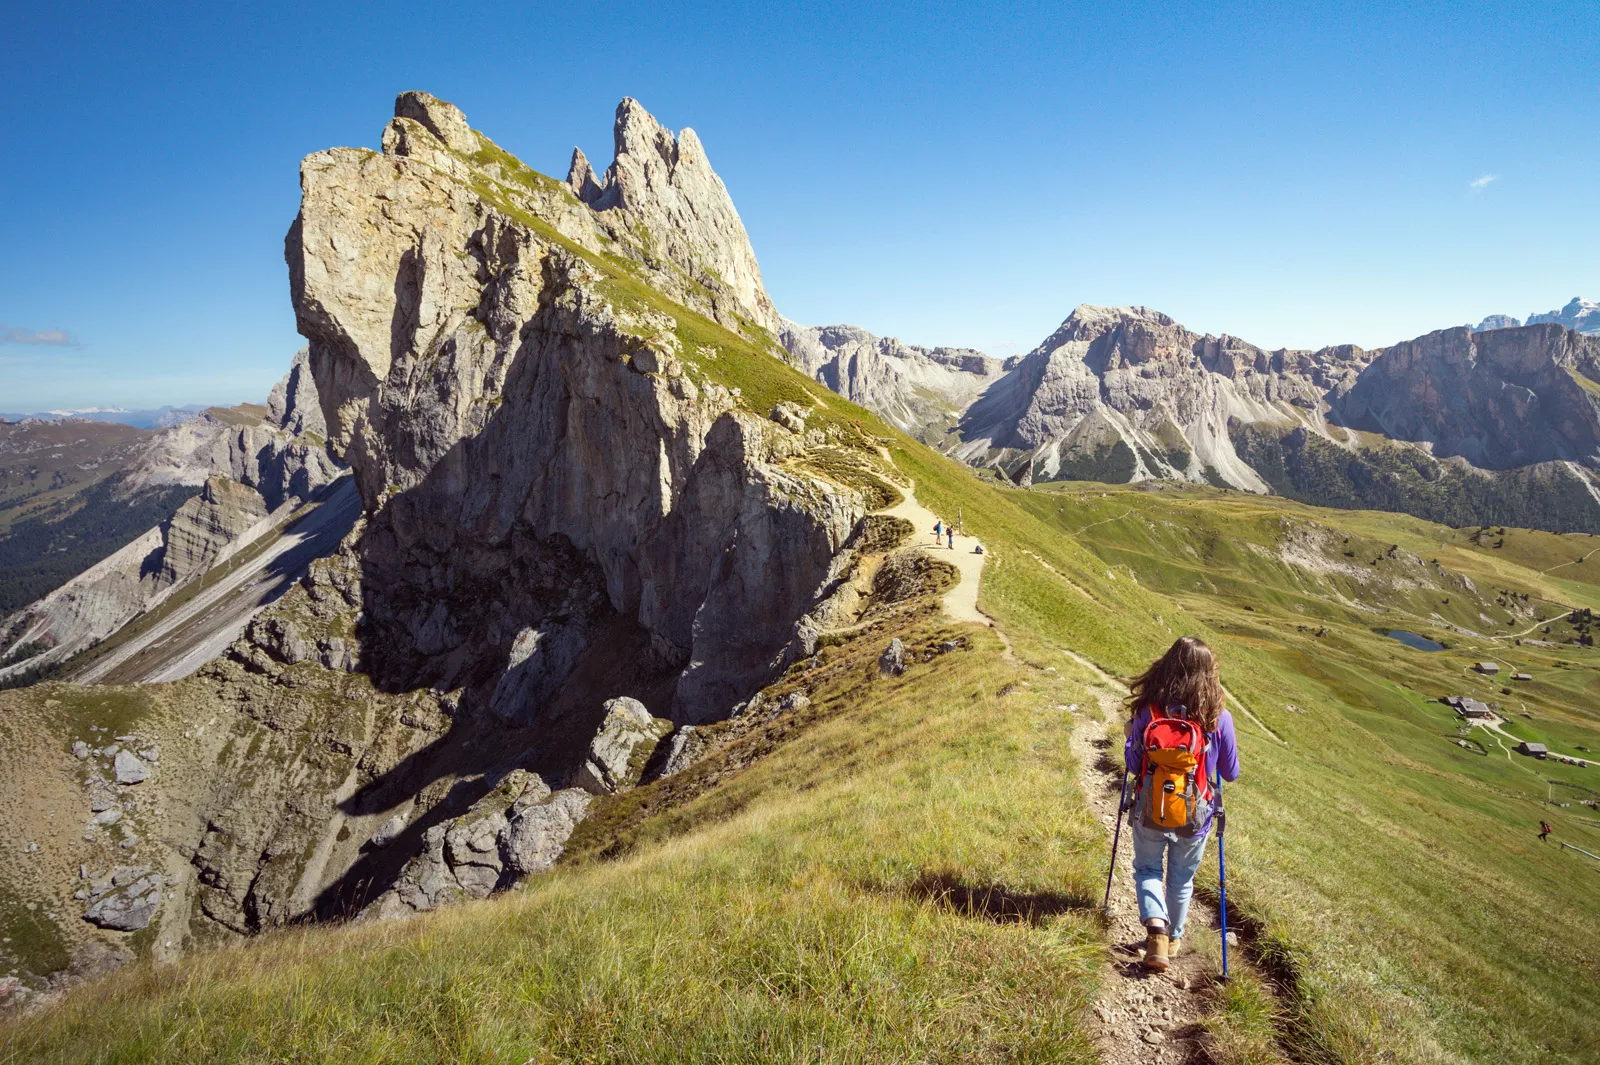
x=472 y=847
x=892 y=662
x=129 y=769
x=537 y=833
x=426 y=883
x=388 y=831
x=684 y=748
x=617 y=755
x=791 y=416
x=128 y=908
x=80 y=750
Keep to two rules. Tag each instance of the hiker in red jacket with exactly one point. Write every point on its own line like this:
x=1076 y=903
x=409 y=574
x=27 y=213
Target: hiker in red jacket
x=1179 y=740
x=1545 y=828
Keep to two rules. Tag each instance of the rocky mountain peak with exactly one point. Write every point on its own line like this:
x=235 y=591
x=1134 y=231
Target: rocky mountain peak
x=1579 y=315
x=444 y=120
x=1088 y=320
x=921 y=390
x=666 y=183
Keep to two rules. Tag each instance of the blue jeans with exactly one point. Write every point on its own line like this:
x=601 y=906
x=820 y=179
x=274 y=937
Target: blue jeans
x=1167 y=899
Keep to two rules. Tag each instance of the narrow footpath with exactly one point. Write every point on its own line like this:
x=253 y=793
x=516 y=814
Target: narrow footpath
x=961 y=601
x=1140 y=1016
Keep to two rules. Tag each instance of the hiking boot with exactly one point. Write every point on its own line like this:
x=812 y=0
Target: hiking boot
x=1172 y=947
x=1155 y=951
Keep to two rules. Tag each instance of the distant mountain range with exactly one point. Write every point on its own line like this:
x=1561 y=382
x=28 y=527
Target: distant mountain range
x=1579 y=315
x=1460 y=426
x=99 y=519
x=150 y=418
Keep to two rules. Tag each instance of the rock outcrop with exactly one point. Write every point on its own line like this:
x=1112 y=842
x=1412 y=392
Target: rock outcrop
x=519 y=829
x=206 y=524
x=617 y=755
x=517 y=421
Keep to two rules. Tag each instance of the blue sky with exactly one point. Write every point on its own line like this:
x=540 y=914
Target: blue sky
x=948 y=174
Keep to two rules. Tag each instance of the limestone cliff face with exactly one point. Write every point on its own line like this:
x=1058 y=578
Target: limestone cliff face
x=510 y=411
x=920 y=390
x=568 y=506
x=565 y=503
x=1499 y=399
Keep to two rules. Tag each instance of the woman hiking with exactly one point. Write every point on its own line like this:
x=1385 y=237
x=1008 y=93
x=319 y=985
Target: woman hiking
x=1179 y=740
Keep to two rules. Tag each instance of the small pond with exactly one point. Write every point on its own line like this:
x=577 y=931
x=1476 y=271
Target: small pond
x=1411 y=639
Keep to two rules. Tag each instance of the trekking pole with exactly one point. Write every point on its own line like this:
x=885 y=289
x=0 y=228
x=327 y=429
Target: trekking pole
x=1116 y=837
x=1222 y=872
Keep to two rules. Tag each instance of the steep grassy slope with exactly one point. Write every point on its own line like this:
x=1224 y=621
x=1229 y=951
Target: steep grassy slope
x=792 y=913
x=1397 y=872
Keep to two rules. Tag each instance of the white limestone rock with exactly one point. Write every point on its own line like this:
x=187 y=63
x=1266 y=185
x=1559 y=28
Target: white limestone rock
x=129 y=769
x=666 y=184
x=538 y=833
x=445 y=121
x=621 y=747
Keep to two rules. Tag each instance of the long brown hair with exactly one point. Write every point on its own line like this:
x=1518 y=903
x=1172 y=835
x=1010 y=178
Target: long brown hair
x=1187 y=675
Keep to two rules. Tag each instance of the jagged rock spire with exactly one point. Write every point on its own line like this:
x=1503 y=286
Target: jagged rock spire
x=667 y=183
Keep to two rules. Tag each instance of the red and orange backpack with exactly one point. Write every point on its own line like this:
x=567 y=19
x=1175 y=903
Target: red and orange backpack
x=1173 y=794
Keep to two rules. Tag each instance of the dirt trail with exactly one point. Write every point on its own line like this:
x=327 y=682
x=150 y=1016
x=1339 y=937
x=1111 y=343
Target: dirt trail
x=960 y=602
x=1139 y=1016
x=1536 y=624
x=1575 y=562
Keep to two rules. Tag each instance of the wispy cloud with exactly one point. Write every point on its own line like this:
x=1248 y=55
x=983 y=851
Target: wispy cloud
x=55 y=338
x=1478 y=184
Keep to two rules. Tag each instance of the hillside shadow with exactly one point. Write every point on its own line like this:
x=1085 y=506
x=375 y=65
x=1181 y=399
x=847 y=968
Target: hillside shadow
x=996 y=902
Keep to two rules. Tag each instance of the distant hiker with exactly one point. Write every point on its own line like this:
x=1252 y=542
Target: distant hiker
x=952 y=535
x=1545 y=829
x=1179 y=739
x=977 y=549
x=938 y=528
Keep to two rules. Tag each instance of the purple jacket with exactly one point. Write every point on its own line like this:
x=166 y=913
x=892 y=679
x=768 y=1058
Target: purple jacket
x=1222 y=752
